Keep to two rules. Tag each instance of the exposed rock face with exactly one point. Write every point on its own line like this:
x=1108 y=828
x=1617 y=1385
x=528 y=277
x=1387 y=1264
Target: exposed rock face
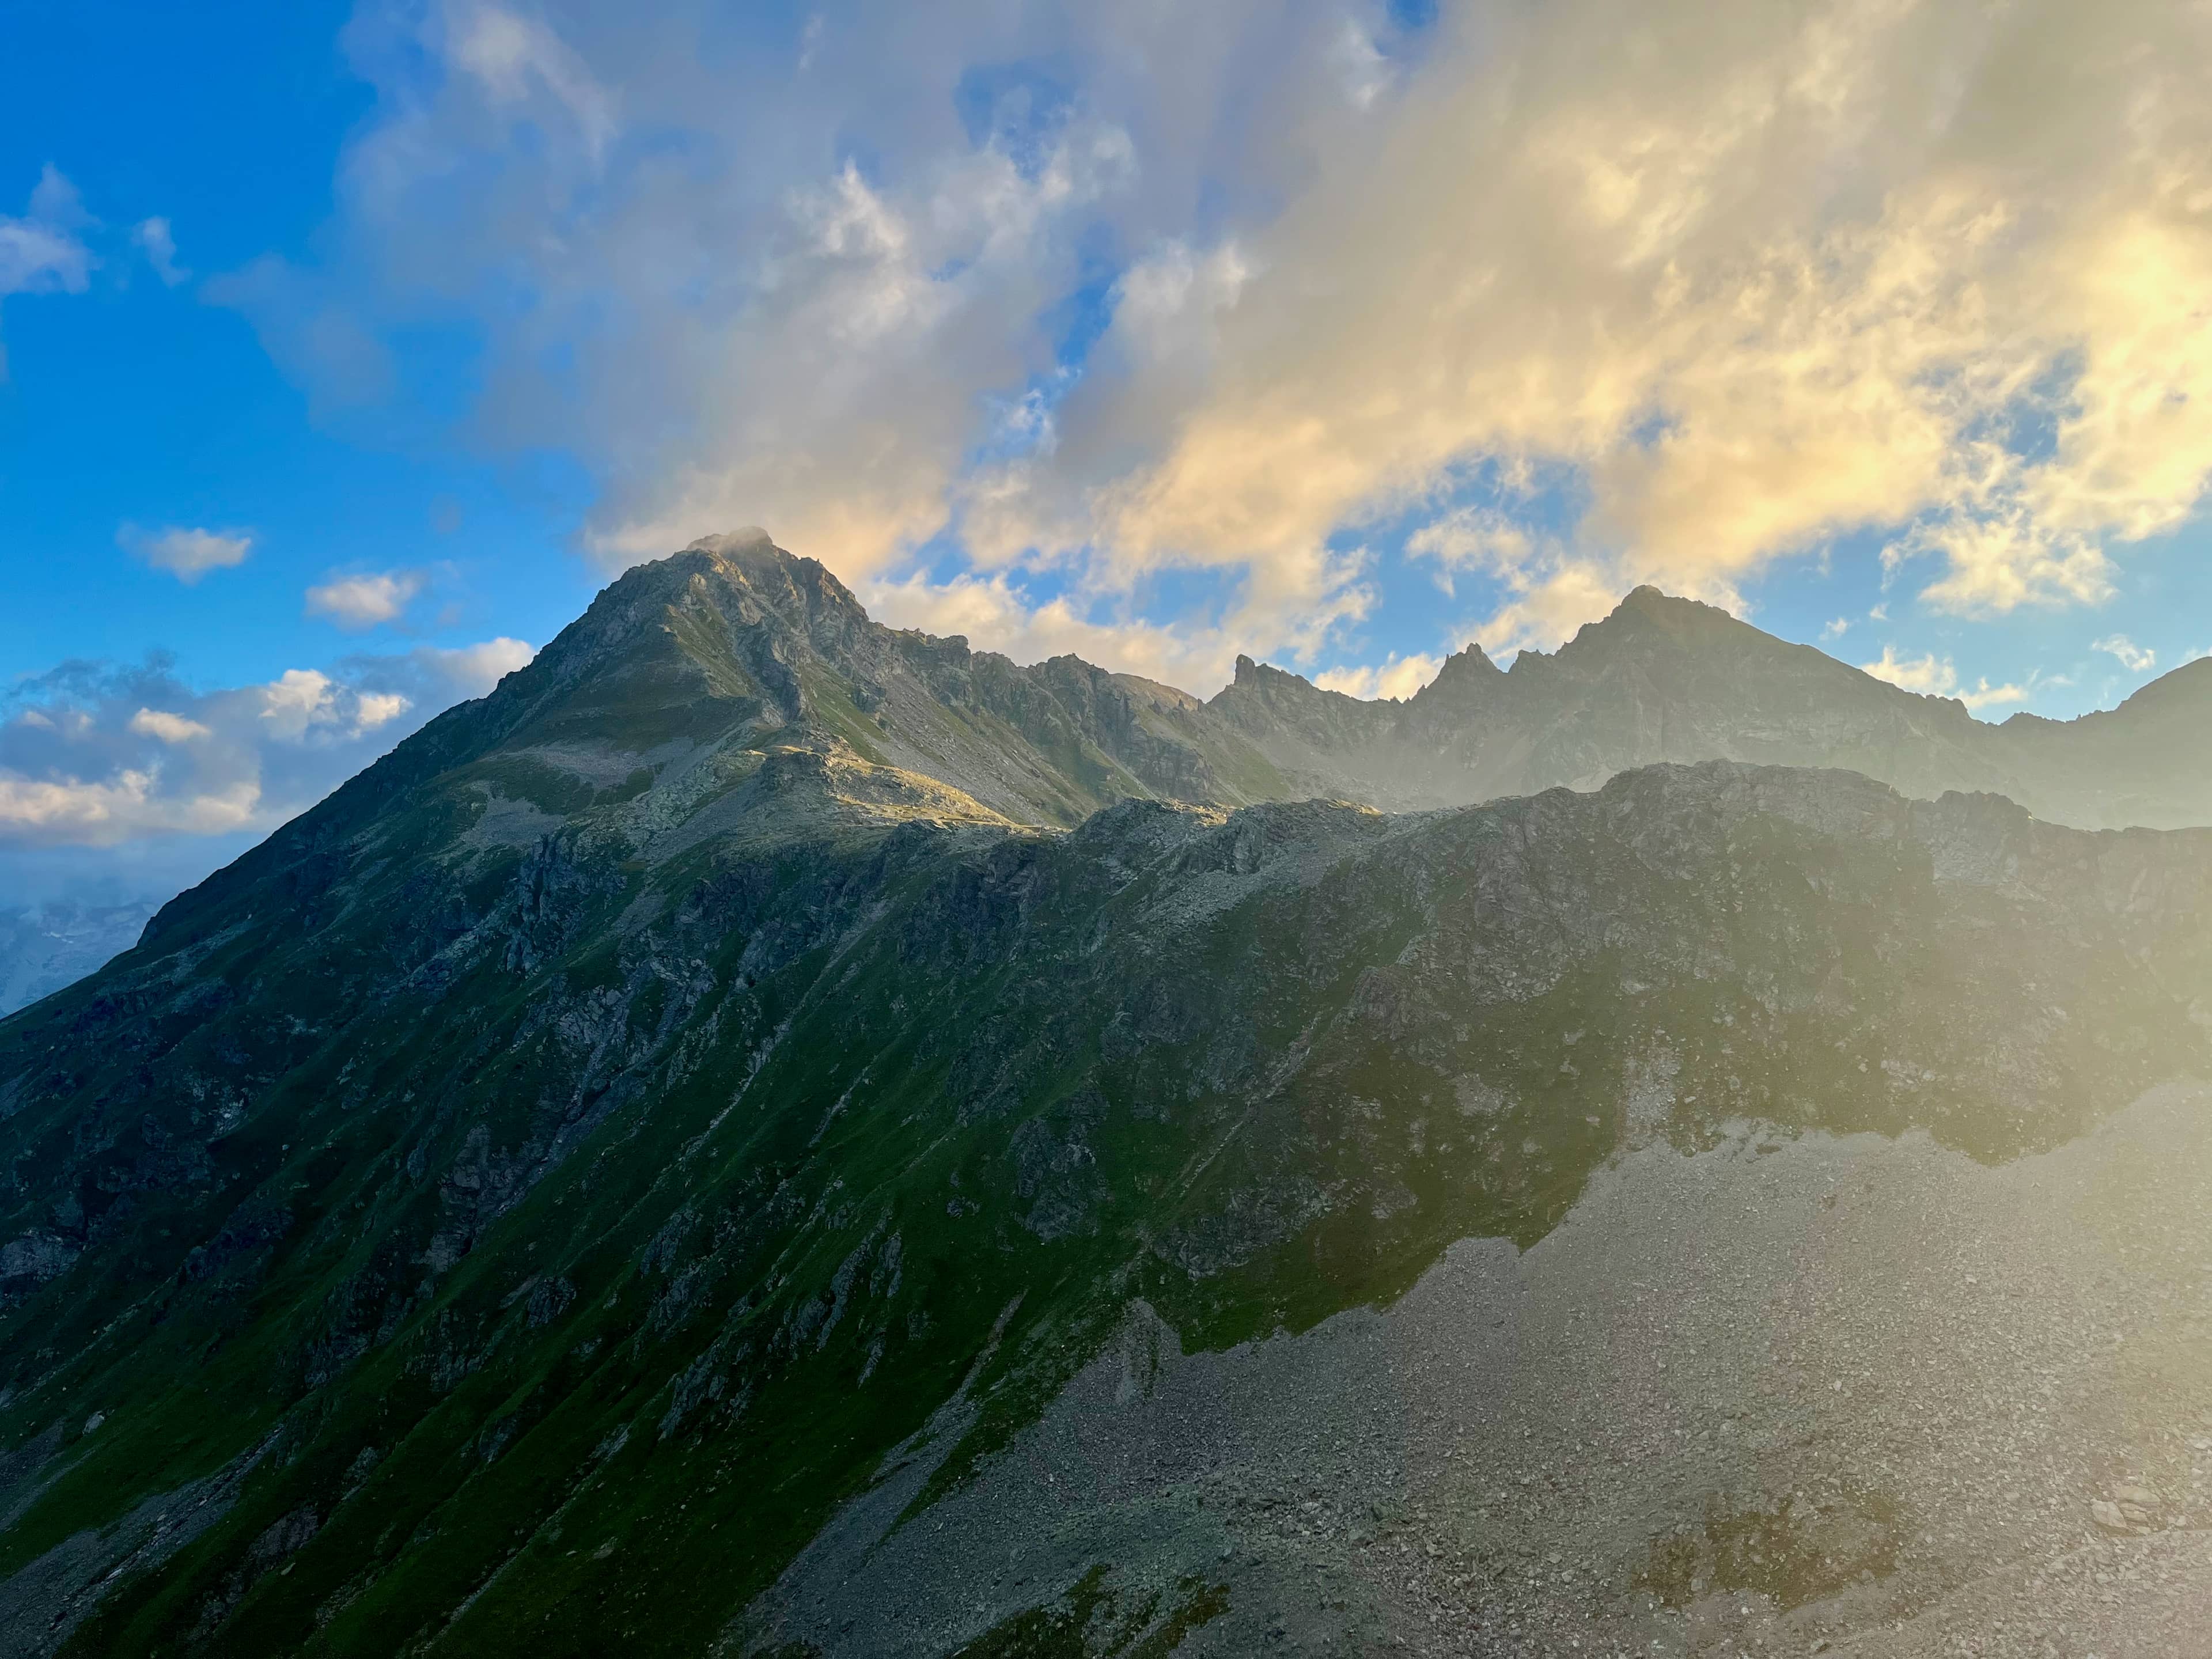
x=1660 y=680
x=1666 y=679
x=527 y=1195
x=704 y=653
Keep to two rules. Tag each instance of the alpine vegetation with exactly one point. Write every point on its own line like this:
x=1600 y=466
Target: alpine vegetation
x=768 y=1134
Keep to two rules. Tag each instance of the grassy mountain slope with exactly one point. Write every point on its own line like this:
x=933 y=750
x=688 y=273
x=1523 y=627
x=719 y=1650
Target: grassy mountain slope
x=509 y=1209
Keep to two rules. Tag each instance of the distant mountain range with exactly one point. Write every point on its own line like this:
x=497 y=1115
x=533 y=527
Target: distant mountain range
x=1660 y=680
x=44 y=947
x=763 y=640
x=736 y=637
x=769 y=1134
x=1665 y=679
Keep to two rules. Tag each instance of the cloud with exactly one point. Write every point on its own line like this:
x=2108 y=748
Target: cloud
x=127 y=804
x=363 y=601
x=186 y=554
x=41 y=252
x=1396 y=677
x=310 y=329
x=1930 y=676
x=1228 y=289
x=1935 y=677
x=1762 y=274
x=169 y=728
x=1550 y=589
x=1836 y=628
x=2135 y=659
x=94 y=754
x=469 y=671
x=996 y=615
x=746 y=294
x=518 y=60
x=156 y=241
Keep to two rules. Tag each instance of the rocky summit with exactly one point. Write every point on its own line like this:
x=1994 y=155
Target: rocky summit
x=772 y=1135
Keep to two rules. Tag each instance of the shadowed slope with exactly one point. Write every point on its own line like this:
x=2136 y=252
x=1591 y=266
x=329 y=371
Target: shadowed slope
x=530 y=1240
x=506 y=1211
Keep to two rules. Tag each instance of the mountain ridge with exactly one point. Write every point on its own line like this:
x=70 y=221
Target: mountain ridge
x=511 y=1210
x=748 y=639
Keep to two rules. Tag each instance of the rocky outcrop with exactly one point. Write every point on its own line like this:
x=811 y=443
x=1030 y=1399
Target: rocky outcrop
x=1665 y=679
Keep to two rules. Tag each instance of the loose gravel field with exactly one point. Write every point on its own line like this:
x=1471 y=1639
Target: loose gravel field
x=1800 y=1395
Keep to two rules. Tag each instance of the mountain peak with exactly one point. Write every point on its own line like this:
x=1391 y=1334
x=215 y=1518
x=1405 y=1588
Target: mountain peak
x=752 y=558
x=1671 y=610
x=730 y=543
x=734 y=644
x=1648 y=620
x=1465 y=672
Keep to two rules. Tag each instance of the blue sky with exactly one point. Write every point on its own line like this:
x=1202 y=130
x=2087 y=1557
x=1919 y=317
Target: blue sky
x=1338 y=331
x=140 y=403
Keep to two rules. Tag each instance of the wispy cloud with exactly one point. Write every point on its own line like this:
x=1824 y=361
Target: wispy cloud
x=1936 y=677
x=1396 y=677
x=158 y=244
x=187 y=554
x=43 y=251
x=365 y=600
x=2135 y=659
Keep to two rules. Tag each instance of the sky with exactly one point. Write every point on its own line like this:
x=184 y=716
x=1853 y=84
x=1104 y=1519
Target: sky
x=346 y=349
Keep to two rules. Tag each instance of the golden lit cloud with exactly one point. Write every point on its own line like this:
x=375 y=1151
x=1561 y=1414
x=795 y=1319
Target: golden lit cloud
x=1765 y=273
x=1754 y=277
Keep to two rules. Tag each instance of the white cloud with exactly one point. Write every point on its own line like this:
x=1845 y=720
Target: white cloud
x=2135 y=659
x=304 y=702
x=41 y=252
x=186 y=554
x=518 y=61
x=993 y=614
x=1986 y=696
x=1396 y=677
x=1835 y=629
x=752 y=325
x=169 y=728
x=375 y=708
x=473 y=669
x=1551 y=590
x=159 y=244
x=1936 y=677
x=104 y=756
x=1930 y=676
x=100 y=813
x=364 y=601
